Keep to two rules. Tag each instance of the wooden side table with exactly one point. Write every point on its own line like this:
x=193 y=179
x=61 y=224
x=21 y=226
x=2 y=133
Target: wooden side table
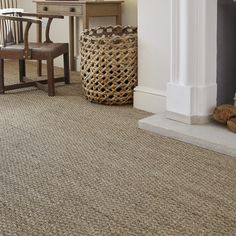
x=80 y=8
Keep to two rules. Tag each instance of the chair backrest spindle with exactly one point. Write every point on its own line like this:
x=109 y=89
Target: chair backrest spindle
x=9 y=30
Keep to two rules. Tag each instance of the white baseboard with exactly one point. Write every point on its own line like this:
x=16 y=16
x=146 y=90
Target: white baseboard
x=150 y=100
x=59 y=62
x=77 y=63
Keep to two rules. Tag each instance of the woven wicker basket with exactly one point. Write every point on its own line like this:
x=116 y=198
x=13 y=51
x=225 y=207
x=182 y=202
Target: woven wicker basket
x=109 y=64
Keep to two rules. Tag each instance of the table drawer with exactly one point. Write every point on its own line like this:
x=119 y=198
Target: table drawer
x=66 y=10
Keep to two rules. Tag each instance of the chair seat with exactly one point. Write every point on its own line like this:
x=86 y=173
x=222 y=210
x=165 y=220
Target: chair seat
x=15 y=27
x=39 y=51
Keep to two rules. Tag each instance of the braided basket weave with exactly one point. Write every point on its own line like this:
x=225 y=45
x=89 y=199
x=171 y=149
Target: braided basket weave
x=109 y=64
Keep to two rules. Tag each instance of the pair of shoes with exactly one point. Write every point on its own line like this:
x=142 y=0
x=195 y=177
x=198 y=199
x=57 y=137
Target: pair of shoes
x=226 y=114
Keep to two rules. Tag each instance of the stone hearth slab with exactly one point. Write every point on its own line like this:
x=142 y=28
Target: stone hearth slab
x=211 y=136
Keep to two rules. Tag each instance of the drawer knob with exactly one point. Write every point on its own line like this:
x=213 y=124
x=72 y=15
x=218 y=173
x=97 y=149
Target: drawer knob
x=72 y=9
x=45 y=8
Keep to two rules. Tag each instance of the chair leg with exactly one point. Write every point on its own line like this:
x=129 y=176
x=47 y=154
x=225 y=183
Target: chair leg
x=22 y=70
x=66 y=68
x=39 y=68
x=51 y=85
x=1 y=76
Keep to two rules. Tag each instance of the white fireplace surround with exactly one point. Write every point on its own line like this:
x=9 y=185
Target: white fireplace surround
x=192 y=90
x=189 y=72
x=178 y=58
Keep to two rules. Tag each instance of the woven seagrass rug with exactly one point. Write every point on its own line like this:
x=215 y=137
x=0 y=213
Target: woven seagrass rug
x=70 y=167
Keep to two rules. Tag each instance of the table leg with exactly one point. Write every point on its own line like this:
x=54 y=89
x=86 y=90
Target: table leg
x=39 y=40
x=118 y=20
x=77 y=39
x=85 y=22
x=118 y=16
x=72 y=42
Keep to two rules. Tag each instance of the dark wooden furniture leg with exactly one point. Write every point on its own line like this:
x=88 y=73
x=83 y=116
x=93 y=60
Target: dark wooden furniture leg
x=118 y=17
x=22 y=70
x=39 y=40
x=118 y=20
x=1 y=76
x=66 y=68
x=85 y=22
x=72 y=42
x=51 y=86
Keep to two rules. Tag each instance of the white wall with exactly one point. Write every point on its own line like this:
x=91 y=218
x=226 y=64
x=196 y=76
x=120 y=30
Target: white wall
x=60 y=32
x=154 y=26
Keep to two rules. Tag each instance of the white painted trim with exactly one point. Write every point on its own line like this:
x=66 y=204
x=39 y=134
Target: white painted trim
x=192 y=90
x=77 y=63
x=149 y=99
x=150 y=91
x=58 y=62
x=175 y=24
x=191 y=100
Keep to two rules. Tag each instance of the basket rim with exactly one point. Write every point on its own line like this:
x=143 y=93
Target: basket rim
x=131 y=35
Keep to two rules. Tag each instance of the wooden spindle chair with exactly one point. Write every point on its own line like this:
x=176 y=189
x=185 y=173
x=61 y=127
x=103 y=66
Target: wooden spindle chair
x=14 y=33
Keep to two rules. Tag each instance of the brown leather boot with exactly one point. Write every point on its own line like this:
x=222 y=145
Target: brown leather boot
x=232 y=124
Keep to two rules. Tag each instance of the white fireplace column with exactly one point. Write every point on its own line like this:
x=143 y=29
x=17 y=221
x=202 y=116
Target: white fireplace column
x=192 y=91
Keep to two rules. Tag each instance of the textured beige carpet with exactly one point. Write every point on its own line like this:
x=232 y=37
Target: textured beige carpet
x=69 y=167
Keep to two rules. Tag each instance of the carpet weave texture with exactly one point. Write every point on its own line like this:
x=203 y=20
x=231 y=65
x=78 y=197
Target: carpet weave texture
x=70 y=167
